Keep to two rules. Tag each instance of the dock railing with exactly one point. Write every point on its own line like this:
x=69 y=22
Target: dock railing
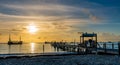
x=113 y=48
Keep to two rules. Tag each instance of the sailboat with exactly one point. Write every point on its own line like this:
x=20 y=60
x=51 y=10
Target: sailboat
x=14 y=42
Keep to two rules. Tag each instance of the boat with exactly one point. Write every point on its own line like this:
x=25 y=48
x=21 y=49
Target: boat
x=46 y=42
x=10 y=42
x=14 y=42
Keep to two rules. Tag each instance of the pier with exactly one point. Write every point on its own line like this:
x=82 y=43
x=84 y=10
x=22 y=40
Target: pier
x=84 y=47
x=88 y=46
x=103 y=48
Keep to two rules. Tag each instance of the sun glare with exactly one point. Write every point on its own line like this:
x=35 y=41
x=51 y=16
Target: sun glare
x=32 y=47
x=32 y=28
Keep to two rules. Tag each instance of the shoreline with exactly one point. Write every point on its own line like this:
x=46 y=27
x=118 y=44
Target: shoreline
x=89 y=59
x=20 y=55
x=16 y=55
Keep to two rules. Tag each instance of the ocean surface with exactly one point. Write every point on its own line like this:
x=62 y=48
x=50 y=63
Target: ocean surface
x=39 y=48
x=27 y=48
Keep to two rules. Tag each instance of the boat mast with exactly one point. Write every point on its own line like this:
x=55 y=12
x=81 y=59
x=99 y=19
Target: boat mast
x=9 y=37
x=20 y=37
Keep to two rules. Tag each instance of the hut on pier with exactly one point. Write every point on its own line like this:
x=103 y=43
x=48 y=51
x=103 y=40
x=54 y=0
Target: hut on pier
x=88 y=41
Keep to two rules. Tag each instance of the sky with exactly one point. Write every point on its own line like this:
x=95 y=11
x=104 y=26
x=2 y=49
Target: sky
x=56 y=20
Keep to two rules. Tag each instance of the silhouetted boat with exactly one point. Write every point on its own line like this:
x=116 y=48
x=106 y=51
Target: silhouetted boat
x=14 y=42
x=47 y=42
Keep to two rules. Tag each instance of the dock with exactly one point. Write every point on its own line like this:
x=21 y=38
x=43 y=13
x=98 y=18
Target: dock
x=90 y=46
x=82 y=50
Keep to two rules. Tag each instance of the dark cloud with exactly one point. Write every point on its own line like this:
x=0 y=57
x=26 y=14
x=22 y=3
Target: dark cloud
x=39 y=37
x=15 y=30
x=61 y=25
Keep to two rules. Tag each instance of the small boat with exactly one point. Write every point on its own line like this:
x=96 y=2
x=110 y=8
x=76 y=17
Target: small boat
x=47 y=42
x=14 y=42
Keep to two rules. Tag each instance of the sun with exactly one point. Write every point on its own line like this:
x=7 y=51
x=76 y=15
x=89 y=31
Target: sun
x=32 y=28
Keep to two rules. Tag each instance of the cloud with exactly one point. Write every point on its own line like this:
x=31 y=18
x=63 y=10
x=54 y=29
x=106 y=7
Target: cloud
x=39 y=37
x=0 y=33
x=91 y=15
x=48 y=12
x=62 y=17
x=108 y=37
x=93 y=18
x=15 y=30
x=62 y=27
x=44 y=9
x=56 y=10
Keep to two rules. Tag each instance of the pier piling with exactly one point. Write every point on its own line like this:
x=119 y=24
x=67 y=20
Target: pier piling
x=119 y=48
x=104 y=46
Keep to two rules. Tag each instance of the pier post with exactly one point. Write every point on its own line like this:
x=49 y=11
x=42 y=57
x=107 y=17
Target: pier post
x=43 y=48
x=9 y=49
x=104 y=45
x=96 y=42
x=112 y=46
x=78 y=50
x=80 y=39
x=119 y=47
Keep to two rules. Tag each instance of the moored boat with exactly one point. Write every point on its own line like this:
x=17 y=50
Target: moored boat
x=14 y=42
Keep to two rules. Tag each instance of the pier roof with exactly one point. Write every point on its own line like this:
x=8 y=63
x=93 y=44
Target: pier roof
x=89 y=35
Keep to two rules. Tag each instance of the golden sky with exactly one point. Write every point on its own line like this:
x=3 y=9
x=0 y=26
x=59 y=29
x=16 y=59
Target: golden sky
x=56 y=20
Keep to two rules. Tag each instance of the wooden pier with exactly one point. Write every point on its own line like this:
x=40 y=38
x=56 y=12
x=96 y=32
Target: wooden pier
x=68 y=47
x=80 y=49
x=111 y=50
x=89 y=46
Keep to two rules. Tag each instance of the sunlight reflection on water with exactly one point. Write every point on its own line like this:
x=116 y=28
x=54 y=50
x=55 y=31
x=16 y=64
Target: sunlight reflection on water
x=32 y=47
x=26 y=48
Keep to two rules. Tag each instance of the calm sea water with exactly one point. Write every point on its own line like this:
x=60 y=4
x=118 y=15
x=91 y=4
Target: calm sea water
x=37 y=48
x=27 y=48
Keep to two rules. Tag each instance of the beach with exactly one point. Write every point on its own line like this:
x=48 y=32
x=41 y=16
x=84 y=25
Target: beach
x=89 y=59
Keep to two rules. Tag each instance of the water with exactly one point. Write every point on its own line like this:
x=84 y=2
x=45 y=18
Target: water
x=37 y=48
x=27 y=48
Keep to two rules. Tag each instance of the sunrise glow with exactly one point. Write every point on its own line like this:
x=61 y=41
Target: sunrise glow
x=32 y=29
